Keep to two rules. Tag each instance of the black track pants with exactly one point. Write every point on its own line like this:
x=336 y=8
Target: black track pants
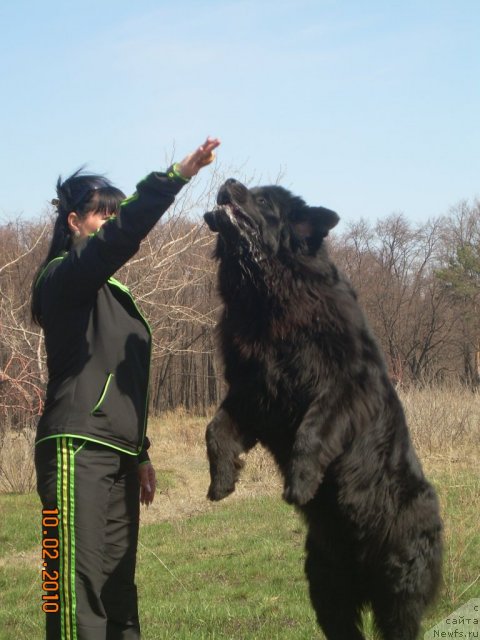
x=96 y=492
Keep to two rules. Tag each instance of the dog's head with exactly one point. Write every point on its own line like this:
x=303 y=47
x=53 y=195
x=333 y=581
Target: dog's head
x=271 y=219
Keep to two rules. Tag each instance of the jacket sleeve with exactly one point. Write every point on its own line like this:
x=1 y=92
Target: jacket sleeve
x=90 y=263
x=143 y=455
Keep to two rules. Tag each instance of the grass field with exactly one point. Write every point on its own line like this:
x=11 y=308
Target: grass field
x=234 y=570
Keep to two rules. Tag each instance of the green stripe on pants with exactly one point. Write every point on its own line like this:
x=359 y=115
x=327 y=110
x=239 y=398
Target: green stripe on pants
x=66 y=506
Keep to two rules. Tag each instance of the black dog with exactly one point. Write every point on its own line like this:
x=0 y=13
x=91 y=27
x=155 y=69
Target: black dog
x=307 y=380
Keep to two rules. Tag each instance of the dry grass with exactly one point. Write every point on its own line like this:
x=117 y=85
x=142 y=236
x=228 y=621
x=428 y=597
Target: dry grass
x=17 y=469
x=445 y=426
x=179 y=455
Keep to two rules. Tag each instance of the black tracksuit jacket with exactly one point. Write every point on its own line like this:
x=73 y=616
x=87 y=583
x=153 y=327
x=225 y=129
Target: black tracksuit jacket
x=98 y=343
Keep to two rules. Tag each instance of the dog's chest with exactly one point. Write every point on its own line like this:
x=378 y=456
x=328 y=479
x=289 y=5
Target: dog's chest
x=279 y=372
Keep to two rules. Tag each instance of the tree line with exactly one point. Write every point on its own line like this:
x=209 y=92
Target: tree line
x=418 y=283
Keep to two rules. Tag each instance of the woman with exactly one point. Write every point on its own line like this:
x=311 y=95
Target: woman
x=91 y=449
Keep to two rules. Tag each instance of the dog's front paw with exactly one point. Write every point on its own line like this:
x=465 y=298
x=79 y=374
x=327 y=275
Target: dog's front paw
x=292 y=496
x=301 y=489
x=218 y=491
x=223 y=477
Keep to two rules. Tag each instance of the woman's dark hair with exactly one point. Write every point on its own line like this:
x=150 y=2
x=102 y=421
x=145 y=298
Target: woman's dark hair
x=83 y=193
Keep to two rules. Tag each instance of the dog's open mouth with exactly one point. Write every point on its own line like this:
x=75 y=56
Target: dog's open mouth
x=235 y=213
x=229 y=213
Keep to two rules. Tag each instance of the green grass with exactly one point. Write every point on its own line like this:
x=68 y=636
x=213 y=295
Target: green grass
x=20 y=524
x=233 y=573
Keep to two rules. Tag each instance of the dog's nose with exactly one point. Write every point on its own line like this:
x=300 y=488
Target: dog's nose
x=232 y=190
x=224 y=196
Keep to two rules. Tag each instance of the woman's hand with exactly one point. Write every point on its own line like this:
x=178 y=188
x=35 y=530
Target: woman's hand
x=146 y=473
x=201 y=157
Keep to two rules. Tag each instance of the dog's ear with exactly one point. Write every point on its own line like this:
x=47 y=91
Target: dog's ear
x=312 y=224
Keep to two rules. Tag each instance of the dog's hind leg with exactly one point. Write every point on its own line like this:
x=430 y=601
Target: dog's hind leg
x=398 y=612
x=398 y=618
x=333 y=596
x=225 y=443
x=410 y=576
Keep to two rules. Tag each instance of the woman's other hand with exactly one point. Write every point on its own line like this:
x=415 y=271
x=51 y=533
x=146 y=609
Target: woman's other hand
x=146 y=473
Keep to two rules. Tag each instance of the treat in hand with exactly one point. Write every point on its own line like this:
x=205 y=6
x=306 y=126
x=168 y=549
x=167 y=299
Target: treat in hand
x=200 y=158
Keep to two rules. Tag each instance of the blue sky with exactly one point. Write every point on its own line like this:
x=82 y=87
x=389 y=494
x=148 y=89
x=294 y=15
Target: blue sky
x=368 y=107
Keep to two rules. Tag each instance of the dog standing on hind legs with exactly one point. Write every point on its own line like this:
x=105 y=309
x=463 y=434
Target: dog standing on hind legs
x=307 y=380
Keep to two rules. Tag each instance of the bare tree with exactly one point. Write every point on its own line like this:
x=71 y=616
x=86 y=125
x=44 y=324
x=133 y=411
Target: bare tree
x=459 y=276
x=392 y=265
x=22 y=371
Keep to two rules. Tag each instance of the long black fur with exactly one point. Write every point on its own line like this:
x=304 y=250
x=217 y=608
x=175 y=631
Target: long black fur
x=308 y=381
